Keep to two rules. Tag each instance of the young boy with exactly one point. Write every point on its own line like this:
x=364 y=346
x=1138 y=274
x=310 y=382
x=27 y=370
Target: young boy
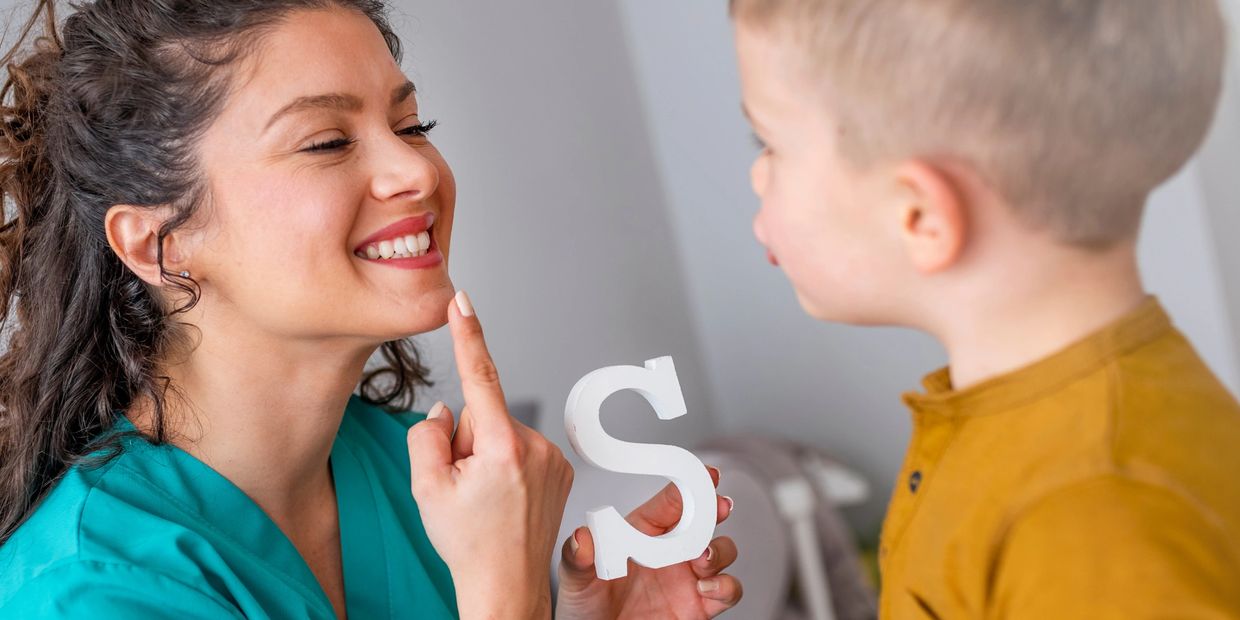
x=977 y=169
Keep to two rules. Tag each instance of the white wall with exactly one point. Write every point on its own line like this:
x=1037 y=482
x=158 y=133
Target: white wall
x=1220 y=185
x=771 y=368
x=1181 y=265
x=561 y=233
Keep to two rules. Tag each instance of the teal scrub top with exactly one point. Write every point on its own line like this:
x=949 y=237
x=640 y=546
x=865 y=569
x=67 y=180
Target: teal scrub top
x=156 y=533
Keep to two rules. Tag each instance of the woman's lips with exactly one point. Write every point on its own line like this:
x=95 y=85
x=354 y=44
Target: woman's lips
x=771 y=258
x=406 y=244
x=432 y=258
x=409 y=226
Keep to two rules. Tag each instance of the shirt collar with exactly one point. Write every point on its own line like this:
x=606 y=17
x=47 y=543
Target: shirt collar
x=1139 y=327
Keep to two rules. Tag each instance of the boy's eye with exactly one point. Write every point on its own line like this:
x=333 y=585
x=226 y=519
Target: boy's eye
x=758 y=142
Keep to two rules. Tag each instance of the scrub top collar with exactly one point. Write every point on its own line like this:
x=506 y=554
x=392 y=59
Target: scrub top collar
x=224 y=507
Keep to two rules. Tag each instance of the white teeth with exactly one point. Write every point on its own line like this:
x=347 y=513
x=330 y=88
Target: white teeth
x=401 y=247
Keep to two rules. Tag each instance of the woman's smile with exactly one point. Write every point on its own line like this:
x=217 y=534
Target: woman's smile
x=406 y=244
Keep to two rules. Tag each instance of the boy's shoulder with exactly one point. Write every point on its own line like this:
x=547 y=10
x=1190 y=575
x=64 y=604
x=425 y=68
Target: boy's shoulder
x=1122 y=477
x=1148 y=519
x=1150 y=418
x=1153 y=474
x=1169 y=413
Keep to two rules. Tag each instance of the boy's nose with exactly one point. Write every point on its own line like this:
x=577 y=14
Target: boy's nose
x=758 y=174
x=757 y=229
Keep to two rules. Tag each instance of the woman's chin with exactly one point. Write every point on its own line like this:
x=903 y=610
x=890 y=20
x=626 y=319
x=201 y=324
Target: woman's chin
x=426 y=312
x=406 y=330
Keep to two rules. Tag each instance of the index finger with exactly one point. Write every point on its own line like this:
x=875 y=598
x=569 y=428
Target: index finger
x=479 y=379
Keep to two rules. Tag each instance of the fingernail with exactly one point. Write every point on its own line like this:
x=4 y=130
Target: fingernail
x=707 y=585
x=731 y=503
x=463 y=304
x=718 y=473
x=708 y=554
x=573 y=545
x=435 y=411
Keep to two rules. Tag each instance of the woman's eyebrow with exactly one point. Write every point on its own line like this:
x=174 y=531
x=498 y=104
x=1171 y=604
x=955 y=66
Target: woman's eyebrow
x=336 y=101
x=402 y=92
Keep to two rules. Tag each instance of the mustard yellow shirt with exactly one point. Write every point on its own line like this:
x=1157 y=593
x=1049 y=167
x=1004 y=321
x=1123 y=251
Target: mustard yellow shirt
x=1101 y=482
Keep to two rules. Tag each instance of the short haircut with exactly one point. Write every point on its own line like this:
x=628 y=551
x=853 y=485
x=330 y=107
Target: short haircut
x=1072 y=110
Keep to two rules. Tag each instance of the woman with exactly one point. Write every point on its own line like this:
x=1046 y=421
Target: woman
x=220 y=210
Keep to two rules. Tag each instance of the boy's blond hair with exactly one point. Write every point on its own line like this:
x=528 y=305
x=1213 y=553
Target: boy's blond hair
x=1073 y=110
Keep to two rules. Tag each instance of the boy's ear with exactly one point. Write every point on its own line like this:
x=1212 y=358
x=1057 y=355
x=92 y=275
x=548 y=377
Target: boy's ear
x=933 y=217
x=133 y=234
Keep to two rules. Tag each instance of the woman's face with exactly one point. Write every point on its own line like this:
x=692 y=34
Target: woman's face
x=322 y=180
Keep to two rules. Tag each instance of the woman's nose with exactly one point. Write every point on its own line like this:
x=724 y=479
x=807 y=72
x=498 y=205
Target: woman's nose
x=401 y=168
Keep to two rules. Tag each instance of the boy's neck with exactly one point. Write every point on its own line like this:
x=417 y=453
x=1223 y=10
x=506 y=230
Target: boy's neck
x=1036 y=308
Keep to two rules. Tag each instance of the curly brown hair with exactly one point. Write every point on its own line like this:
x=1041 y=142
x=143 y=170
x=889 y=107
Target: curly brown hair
x=107 y=110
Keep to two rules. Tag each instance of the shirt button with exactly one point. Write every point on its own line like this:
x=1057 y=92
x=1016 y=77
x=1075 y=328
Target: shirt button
x=914 y=481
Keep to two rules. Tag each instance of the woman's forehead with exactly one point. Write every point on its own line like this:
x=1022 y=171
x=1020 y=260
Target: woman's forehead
x=323 y=57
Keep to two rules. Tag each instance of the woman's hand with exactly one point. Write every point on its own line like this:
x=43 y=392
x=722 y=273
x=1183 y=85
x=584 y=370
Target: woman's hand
x=689 y=590
x=491 y=496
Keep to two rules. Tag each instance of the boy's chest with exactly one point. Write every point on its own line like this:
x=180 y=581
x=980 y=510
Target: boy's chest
x=934 y=557
x=958 y=492
x=914 y=550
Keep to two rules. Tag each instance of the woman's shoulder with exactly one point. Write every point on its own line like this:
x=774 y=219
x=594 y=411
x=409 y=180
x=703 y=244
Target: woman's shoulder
x=68 y=555
x=52 y=534
x=77 y=587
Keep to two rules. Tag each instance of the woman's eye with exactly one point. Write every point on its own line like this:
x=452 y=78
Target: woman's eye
x=758 y=142
x=421 y=129
x=331 y=145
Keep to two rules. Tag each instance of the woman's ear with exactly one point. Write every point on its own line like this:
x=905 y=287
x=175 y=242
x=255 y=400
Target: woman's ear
x=133 y=233
x=933 y=217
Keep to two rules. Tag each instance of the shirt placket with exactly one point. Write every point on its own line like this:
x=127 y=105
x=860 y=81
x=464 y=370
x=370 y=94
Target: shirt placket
x=932 y=432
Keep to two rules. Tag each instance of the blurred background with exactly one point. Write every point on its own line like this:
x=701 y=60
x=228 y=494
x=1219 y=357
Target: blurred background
x=604 y=218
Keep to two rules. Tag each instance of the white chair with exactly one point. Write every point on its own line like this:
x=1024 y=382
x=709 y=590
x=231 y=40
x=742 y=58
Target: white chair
x=776 y=526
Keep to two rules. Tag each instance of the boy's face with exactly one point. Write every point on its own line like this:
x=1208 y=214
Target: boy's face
x=821 y=218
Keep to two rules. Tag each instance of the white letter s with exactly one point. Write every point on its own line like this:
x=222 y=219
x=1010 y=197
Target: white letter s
x=615 y=541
